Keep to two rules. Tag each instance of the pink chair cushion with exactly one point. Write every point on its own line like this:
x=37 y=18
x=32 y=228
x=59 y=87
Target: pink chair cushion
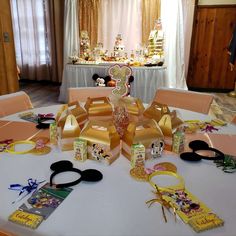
x=223 y=142
x=193 y=101
x=81 y=94
x=234 y=120
x=14 y=102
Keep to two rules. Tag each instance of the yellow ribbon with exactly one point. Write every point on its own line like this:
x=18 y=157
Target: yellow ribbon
x=172 y=188
x=11 y=147
x=159 y=198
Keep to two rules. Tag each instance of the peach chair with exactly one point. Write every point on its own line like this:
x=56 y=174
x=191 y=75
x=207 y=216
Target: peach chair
x=14 y=102
x=5 y=233
x=234 y=120
x=193 y=101
x=82 y=93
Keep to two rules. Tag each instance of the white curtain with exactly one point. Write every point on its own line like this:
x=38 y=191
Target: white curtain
x=177 y=23
x=71 y=30
x=120 y=17
x=31 y=39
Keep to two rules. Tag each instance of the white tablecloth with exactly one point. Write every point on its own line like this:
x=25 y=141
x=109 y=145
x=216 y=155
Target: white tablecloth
x=146 y=79
x=116 y=205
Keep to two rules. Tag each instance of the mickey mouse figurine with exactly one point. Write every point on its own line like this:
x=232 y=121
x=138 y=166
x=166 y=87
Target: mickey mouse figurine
x=100 y=81
x=108 y=82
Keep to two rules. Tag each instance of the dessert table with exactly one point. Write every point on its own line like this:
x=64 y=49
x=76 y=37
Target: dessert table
x=116 y=205
x=146 y=79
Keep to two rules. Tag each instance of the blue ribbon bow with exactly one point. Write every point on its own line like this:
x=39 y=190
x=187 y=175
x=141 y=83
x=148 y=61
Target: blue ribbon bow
x=32 y=186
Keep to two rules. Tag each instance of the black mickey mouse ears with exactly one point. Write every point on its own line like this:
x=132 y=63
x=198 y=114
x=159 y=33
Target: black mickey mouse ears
x=89 y=175
x=199 y=145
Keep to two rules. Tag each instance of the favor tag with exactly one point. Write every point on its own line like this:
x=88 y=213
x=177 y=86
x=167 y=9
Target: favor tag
x=53 y=133
x=205 y=222
x=80 y=148
x=137 y=155
x=178 y=142
x=187 y=206
x=27 y=219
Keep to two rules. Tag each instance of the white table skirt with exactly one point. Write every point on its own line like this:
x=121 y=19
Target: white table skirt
x=146 y=79
x=116 y=205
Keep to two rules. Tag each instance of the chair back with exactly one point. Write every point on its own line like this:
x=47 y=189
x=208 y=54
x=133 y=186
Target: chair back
x=5 y=233
x=14 y=102
x=81 y=94
x=193 y=101
x=234 y=120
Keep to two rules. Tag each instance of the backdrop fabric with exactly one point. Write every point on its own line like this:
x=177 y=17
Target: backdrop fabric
x=120 y=17
x=71 y=30
x=177 y=23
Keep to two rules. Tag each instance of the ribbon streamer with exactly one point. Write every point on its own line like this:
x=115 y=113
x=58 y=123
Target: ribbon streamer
x=164 y=204
x=48 y=115
x=25 y=190
x=4 y=143
x=209 y=128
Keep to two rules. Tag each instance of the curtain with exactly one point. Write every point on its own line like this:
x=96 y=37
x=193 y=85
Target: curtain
x=173 y=26
x=38 y=38
x=71 y=30
x=55 y=14
x=150 y=12
x=188 y=15
x=30 y=36
x=120 y=17
x=88 y=19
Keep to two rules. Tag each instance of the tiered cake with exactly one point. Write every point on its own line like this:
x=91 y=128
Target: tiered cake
x=156 y=40
x=119 y=48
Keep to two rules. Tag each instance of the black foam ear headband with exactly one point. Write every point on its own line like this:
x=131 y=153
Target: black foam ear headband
x=90 y=175
x=43 y=123
x=199 y=145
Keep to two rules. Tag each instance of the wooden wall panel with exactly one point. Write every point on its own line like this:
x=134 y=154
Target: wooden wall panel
x=209 y=60
x=8 y=69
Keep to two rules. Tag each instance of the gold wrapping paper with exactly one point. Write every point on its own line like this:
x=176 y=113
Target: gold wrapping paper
x=167 y=120
x=59 y=113
x=145 y=132
x=98 y=108
x=75 y=109
x=68 y=133
x=103 y=141
x=155 y=111
x=134 y=106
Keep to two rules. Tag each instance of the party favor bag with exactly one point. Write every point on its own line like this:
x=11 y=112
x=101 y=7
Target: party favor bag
x=75 y=109
x=145 y=132
x=98 y=108
x=68 y=133
x=103 y=141
x=167 y=120
x=134 y=108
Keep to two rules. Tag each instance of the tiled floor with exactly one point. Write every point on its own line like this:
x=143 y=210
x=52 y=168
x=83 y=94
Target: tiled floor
x=46 y=94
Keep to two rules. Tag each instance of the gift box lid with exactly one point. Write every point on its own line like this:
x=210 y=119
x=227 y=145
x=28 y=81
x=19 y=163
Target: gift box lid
x=101 y=132
x=99 y=105
x=142 y=132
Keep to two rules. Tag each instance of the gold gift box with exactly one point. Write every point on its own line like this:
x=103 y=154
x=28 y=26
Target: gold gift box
x=103 y=141
x=146 y=132
x=134 y=108
x=166 y=120
x=155 y=111
x=68 y=133
x=75 y=109
x=98 y=108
